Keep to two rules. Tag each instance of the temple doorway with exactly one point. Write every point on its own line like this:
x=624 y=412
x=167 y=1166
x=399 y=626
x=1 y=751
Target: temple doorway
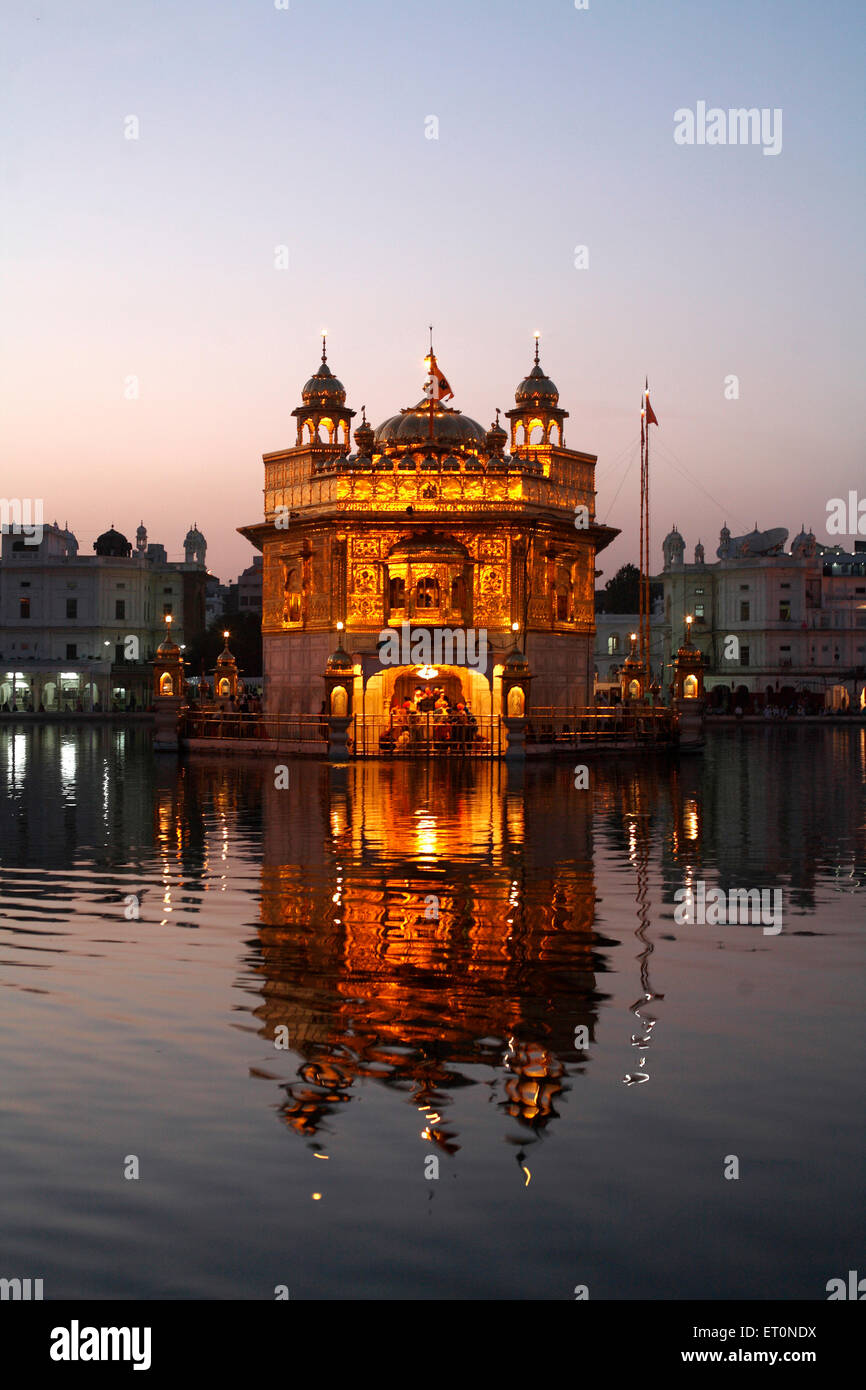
x=390 y=686
x=448 y=681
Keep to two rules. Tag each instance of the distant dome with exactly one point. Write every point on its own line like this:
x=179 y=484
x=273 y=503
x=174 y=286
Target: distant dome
x=411 y=428
x=111 y=542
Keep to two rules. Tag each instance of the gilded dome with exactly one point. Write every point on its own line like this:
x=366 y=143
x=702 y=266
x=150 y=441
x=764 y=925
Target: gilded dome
x=411 y=428
x=324 y=389
x=339 y=663
x=537 y=389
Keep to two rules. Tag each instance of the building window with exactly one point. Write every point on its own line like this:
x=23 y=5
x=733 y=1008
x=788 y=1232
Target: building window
x=166 y=609
x=744 y=656
x=24 y=607
x=169 y=590
x=785 y=610
x=427 y=593
x=786 y=586
x=72 y=608
x=120 y=608
x=397 y=592
x=71 y=651
x=613 y=644
x=119 y=653
x=744 y=611
x=699 y=591
x=699 y=612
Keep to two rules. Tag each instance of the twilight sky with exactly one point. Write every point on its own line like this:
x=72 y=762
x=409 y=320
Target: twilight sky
x=305 y=127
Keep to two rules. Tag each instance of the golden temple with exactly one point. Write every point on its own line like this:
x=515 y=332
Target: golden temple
x=435 y=523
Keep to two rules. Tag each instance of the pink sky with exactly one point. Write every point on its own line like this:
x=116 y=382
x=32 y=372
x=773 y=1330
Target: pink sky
x=154 y=257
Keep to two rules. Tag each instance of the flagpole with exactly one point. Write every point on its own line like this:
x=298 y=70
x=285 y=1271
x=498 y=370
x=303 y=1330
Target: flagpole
x=432 y=389
x=643 y=437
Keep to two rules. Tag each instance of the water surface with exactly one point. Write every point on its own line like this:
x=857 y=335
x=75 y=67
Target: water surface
x=474 y=968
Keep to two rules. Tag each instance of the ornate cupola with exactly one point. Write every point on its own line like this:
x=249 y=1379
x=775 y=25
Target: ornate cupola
x=673 y=549
x=324 y=418
x=496 y=438
x=226 y=673
x=632 y=677
x=536 y=419
x=364 y=436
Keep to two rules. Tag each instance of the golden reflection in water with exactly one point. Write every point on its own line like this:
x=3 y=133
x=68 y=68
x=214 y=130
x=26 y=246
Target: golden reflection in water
x=414 y=925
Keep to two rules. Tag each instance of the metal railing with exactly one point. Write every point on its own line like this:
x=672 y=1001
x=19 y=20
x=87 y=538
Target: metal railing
x=274 y=728
x=426 y=736
x=600 y=726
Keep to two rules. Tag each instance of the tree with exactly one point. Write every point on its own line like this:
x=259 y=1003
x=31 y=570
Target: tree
x=622 y=593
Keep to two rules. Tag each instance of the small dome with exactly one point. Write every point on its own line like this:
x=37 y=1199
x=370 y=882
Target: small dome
x=496 y=437
x=804 y=544
x=339 y=663
x=323 y=389
x=193 y=536
x=111 y=542
x=168 y=647
x=537 y=389
x=515 y=663
x=364 y=436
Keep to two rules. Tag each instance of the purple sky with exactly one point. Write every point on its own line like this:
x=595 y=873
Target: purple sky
x=262 y=127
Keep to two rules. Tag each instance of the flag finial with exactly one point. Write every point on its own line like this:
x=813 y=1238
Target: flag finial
x=324 y=344
x=537 y=336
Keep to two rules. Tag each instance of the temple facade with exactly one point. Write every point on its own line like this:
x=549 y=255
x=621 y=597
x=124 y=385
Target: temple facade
x=432 y=523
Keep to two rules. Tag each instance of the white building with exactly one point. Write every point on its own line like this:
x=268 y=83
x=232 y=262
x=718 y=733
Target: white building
x=77 y=631
x=613 y=643
x=782 y=626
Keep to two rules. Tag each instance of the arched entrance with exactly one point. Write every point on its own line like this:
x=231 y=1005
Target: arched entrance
x=427 y=730
x=394 y=684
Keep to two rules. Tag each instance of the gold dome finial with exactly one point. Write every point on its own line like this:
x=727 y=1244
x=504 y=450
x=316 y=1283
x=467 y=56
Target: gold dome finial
x=537 y=336
x=324 y=344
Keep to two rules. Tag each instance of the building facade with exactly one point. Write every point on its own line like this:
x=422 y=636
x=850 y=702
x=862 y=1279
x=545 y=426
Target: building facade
x=77 y=631
x=774 y=625
x=433 y=523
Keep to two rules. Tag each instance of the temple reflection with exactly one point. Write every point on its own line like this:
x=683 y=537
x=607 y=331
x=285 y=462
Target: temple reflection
x=447 y=931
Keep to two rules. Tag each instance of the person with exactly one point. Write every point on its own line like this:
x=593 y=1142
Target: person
x=441 y=727
x=738 y=712
x=458 y=727
x=471 y=726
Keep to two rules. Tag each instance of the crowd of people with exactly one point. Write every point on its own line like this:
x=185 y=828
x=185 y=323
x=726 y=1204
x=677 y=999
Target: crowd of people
x=430 y=715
